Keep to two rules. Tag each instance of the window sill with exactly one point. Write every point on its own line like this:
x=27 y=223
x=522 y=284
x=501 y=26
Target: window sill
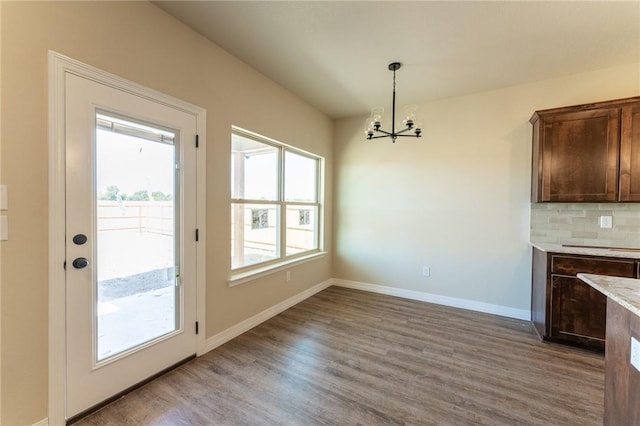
x=244 y=277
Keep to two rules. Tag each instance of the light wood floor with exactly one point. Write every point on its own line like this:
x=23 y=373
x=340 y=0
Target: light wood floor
x=345 y=357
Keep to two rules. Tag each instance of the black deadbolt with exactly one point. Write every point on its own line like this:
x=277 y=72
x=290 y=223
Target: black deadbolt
x=79 y=239
x=80 y=263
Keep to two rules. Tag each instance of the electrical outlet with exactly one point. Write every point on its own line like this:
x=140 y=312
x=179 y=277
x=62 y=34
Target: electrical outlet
x=635 y=353
x=426 y=271
x=288 y=276
x=606 y=222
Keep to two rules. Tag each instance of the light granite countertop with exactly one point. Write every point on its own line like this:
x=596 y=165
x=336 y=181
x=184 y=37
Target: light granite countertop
x=625 y=291
x=589 y=251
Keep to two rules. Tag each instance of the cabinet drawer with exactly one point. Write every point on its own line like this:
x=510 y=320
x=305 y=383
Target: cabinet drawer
x=572 y=265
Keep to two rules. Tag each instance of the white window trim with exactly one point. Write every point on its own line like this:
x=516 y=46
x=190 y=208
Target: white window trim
x=263 y=271
x=250 y=272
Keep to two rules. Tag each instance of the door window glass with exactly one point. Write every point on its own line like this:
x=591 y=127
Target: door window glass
x=136 y=295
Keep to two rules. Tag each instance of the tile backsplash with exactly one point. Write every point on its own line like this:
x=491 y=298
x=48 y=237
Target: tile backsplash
x=578 y=223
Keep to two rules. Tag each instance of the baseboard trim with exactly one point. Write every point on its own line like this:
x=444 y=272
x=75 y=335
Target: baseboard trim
x=246 y=325
x=453 y=302
x=43 y=422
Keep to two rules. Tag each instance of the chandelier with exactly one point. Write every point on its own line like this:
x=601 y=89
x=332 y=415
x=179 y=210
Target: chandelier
x=373 y=123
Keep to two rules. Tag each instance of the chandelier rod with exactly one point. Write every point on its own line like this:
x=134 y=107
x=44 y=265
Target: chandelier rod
x=394 y=66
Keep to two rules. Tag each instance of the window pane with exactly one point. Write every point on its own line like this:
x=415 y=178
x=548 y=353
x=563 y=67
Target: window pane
x=254 y=234
x=137 y=300
x=300 y=176
x=302 y=229
x=254 y=169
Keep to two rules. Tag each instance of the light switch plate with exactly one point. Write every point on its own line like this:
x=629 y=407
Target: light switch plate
x=635 y=353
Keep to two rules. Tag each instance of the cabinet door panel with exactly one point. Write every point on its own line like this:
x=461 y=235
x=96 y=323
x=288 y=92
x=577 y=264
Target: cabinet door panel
x=578 y=312
x=630 y=154
x=580 y=156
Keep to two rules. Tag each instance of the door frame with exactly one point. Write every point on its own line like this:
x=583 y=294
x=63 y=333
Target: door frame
x=59 y=65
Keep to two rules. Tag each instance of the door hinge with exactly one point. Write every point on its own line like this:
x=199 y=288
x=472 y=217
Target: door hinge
x=197 y=328
x=197 y=234
x=197 y=141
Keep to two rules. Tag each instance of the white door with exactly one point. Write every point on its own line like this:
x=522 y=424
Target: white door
x=130 y=240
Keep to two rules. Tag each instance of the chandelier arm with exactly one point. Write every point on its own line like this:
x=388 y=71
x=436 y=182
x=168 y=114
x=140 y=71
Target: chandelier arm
x=404 y=130
x=409 y=136
x=385 y=132
x=381 y=136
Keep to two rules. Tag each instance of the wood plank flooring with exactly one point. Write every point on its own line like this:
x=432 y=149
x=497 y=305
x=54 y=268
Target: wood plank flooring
x=346 y=357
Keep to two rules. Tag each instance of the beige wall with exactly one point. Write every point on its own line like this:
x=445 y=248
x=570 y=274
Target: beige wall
x=456 y=200
x=137 y=41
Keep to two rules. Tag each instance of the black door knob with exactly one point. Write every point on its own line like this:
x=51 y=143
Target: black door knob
x=80 y=263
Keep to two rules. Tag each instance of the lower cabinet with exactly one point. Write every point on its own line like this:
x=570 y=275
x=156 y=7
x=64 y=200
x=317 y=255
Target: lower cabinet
x=565 y=309
x=578 y=312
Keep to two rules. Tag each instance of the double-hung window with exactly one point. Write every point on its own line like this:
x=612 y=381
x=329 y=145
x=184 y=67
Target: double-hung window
x=275 y=202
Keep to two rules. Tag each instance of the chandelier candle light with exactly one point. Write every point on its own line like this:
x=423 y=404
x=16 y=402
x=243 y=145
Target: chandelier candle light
x=373 y=123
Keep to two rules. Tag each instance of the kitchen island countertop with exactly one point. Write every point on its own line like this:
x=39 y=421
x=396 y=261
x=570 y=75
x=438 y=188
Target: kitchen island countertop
x=622 y=369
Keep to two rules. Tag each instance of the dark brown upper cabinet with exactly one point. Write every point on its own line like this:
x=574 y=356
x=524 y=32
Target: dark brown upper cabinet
x=630 y=153
x=587 y=153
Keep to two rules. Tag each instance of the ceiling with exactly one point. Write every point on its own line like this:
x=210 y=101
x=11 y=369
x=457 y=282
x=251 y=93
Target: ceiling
x=334 y=54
